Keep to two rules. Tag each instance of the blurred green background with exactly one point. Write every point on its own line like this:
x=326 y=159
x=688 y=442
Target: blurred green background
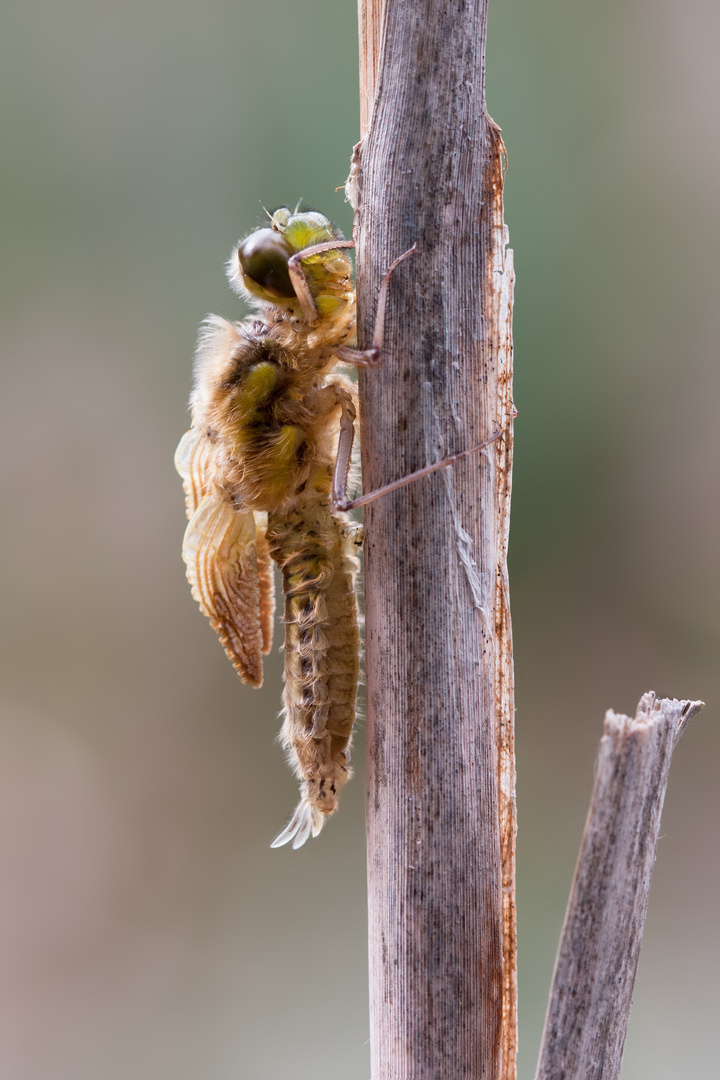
x=146 y=929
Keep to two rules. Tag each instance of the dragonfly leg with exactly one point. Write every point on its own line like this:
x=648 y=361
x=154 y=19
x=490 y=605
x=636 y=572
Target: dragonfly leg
x=360 y=357
x=373 y=356
x=297 y=274
x=344 y=447
x=371 y=496
x=327 y=400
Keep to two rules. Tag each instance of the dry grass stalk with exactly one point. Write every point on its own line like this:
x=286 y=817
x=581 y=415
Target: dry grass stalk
x=441 y=809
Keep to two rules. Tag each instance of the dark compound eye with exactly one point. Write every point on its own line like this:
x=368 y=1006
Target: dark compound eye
x=264 y=257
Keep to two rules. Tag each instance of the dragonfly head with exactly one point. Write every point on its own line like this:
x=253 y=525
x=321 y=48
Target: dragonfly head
x=258 y=266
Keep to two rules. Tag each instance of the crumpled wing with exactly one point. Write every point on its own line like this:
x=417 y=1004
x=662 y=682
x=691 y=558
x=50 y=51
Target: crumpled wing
x=222 y=567
x=192 y=461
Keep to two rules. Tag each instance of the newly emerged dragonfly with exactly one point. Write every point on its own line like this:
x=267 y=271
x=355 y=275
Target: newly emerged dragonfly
x=265 y=467
x=258 y=467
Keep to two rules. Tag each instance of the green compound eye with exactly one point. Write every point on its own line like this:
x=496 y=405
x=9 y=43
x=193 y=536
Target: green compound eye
x=264 y=257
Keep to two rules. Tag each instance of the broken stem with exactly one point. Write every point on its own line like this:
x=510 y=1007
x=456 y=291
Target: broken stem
x=597 y=960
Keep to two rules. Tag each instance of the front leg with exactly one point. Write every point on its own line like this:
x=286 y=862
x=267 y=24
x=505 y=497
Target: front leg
x=372 y=357
x=360 y=357
x=297 y=274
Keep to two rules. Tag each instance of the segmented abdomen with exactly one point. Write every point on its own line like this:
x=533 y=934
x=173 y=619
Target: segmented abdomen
x=313 y=545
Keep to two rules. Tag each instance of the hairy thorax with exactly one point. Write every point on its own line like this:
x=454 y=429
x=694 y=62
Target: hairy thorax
x=270 y=418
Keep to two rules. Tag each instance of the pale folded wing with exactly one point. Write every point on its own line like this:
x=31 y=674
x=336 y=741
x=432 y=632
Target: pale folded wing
x=192 y=461
x=211 y=540
x=220 y=552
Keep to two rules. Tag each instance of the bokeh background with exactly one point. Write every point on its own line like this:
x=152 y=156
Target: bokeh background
x=146 y=929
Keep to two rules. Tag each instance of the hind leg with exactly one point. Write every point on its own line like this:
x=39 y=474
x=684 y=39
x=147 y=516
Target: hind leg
x=341 y=502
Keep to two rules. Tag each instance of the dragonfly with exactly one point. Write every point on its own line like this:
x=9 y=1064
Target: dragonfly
x=265 y=469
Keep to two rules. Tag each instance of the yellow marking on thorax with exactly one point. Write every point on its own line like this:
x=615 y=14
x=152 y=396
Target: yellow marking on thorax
x=285 y=445
x=256 y=387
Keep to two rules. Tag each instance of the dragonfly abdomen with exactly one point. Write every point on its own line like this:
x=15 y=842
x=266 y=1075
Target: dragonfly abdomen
x=313 y=547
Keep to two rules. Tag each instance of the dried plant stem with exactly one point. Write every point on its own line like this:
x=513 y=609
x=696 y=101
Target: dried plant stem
x=441 y=807
x=597 y=961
